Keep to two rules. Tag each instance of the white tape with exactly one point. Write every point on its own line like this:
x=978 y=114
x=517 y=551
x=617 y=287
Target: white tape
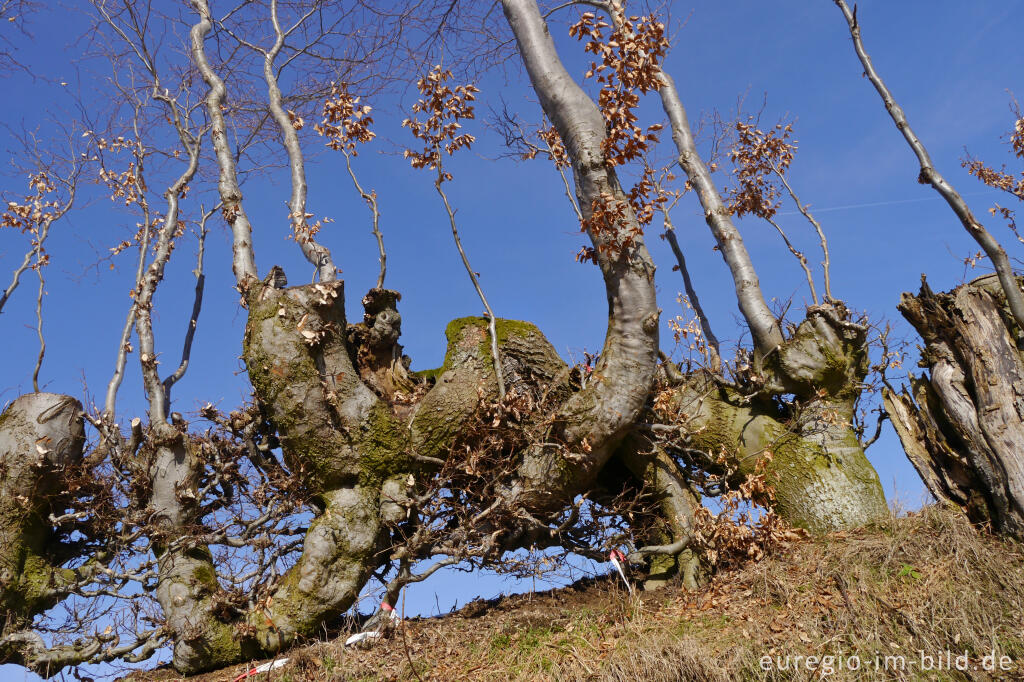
x=614 y=556
x=362 y=637
x=267 y=667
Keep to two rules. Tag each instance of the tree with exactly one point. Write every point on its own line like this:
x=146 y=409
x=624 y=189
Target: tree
x=240 y=539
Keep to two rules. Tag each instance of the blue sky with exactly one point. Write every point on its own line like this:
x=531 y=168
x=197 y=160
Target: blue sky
x=950 y=64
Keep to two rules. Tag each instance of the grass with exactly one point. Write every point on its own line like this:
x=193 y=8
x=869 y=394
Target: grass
x=891 y=599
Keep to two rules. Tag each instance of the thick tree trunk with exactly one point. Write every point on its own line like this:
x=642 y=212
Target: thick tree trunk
x=40 y=435
x=336 y=433
x=822 y=479
x=963 y=424
x=678 y=502
x=592 y=422
x=187 y=584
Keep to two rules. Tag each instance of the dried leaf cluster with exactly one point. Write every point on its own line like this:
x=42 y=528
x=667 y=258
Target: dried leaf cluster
x=759 y=158
x=346 y=122
x=630 y=65
x=445 y=106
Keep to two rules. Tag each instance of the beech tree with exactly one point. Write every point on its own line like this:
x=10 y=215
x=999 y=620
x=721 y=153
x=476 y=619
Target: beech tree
x=241 y=537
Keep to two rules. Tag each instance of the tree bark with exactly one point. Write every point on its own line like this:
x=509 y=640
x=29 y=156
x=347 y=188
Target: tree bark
x=822 y=479
x=962 y=423
x=41 y=434
x=594 y=421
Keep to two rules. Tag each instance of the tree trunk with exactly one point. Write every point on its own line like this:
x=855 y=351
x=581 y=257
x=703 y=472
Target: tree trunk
x=962 y=424
x=335 y=433
x=41 y=434
x=594 y=421
x=822 y=479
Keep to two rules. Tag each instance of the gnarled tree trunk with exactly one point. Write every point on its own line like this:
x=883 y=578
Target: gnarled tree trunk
x=962 y=423
x=41 y=435
x=817 y=467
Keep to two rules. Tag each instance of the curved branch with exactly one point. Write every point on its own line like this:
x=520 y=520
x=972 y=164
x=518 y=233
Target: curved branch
x=371 y=200
x=594 y=420
x=929 y=175
x=243 y=260
x=315 y=253
x=197 y=306
x=764 y=328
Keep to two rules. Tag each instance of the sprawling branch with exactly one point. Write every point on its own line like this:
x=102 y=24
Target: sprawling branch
x=596 y=418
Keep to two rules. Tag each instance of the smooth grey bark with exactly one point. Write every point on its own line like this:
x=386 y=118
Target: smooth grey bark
x=317 y=254
x=962 y=423
x=595 y=420
x=827 y=482
x=243 y=260
x=764 y=328
x=928 y=174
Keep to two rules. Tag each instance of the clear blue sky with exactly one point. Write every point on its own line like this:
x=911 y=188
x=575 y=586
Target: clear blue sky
x=950 y=64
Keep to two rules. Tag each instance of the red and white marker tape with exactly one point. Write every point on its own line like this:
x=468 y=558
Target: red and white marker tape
x=391 y=610
x=618 y=560
x=373 y=635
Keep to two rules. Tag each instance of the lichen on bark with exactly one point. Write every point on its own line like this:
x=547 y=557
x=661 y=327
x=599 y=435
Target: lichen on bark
x=823 y=481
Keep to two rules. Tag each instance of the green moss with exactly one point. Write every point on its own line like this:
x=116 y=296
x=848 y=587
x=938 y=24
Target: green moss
x=221 y=646
x=384 y=447
x=505 y=330
x=428 y=374
x=4 y=417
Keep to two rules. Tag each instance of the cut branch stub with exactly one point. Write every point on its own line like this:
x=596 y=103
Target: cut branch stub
x=530 y=365
x=963 y=428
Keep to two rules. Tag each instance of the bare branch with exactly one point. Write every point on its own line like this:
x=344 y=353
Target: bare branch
x=243 y=260
x=929 y=175
x=315 y=253
x=197 y=306
x=798 y=255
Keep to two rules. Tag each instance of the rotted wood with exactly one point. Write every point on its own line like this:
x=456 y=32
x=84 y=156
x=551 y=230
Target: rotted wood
x=962 y=423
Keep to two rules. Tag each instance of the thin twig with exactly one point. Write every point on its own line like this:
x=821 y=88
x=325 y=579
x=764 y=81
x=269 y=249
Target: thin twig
x=491 y=324
x=39 y=324
x=826 y=262
x=197 y=306
x=371 y=200
x=798 y=255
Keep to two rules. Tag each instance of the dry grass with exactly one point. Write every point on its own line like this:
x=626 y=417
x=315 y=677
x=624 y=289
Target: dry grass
x=926 y=583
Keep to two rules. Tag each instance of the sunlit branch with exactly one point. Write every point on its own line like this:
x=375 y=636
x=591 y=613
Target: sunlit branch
x=930 y=175
x=243 y=260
